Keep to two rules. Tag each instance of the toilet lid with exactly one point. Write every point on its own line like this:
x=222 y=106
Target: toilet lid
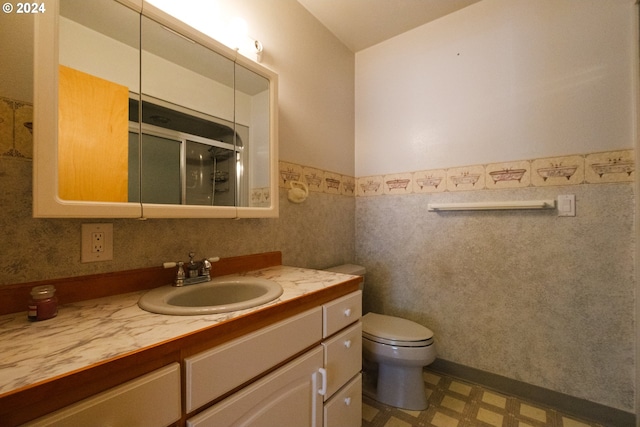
x=355 y=270
x=394 y=330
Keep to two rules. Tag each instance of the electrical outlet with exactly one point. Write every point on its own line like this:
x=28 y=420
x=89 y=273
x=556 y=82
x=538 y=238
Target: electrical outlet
x=97 y=242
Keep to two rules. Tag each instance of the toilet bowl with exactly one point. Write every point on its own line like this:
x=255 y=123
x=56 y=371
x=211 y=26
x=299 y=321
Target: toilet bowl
x=399 y=350
x=394 y=351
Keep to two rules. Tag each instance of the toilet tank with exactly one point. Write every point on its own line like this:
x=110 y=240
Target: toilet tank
x=353 y=269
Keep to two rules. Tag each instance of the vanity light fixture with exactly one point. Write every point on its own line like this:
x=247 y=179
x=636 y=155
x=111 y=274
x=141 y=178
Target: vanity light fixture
x=238 y=39
x=249 y=47
x=232 y=32
x=254 y=49
x=257 y=50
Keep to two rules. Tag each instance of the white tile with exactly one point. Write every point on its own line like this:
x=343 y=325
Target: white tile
x=568 y=422
x=453 y=404
x=490 y=417
x=369 y=412
x=460 y=388
x=494 y=399
x=442 y=420
x=533 y=412
x=395 y=422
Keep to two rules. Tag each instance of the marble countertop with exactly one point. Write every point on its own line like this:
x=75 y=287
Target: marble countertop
x=93 y=331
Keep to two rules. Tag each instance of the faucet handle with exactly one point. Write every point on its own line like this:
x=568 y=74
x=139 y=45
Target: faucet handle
x=180 y=276
x=206 y=266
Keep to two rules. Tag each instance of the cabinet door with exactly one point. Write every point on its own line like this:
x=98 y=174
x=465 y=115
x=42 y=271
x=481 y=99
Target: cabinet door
x=212 y=373
x=152 y=400
x=288 y=397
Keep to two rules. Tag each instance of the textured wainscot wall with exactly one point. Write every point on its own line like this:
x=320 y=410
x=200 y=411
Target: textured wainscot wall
x=529 y=295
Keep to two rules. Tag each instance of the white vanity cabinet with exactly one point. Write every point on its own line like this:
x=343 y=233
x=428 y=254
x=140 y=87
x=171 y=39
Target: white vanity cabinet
x=341 y=312
x=152 y=400
x=322 y=387
x=288 y=397
x=214 y=372
x=345 y=407
x=343 y=361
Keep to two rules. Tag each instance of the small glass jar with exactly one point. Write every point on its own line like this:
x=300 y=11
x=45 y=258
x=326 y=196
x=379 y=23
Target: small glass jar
x=43 y=303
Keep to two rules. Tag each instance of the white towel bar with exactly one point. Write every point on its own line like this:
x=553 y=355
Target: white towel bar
x=487 y=206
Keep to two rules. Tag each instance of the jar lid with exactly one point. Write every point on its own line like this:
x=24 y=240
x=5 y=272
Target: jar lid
x=42 y=292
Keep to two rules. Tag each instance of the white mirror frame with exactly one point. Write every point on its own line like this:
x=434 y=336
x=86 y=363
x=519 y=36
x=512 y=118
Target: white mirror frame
x=47 y=204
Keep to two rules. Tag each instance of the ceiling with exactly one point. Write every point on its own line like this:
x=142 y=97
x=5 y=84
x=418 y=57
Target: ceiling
x=360 y=24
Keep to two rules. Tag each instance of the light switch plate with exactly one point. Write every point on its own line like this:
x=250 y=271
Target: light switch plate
x=567 y=205
x=97 y=242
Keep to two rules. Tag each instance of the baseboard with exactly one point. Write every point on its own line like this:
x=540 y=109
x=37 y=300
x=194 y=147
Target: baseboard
x=564 y=403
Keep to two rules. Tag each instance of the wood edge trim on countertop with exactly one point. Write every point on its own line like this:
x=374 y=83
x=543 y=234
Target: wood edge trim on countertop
x=31 y=402
x=14 y=297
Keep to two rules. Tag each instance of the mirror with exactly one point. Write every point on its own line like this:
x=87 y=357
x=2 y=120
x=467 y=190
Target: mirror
x=147 y=117
x=187 y=100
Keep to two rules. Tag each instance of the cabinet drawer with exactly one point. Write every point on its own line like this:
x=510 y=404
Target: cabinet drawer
x=214 y=372
x=287 y=397
x=345 y=408
x=342 y=357
x=152 y=400
x=341 y=312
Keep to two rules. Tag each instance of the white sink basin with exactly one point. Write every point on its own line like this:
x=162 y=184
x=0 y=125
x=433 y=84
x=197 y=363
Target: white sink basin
x=220 y=295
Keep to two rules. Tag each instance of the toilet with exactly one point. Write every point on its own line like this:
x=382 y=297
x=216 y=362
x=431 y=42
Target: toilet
x=394 y=351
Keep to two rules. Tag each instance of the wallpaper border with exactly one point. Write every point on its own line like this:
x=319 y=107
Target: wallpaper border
x=615 y=166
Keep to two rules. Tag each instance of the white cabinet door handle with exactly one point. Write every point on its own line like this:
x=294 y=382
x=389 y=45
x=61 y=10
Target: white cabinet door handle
x=347 y=312
x=347 y=401
x=323 y=388
x=347 y=343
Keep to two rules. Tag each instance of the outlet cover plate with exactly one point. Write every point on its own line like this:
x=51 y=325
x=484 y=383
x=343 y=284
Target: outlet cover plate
x=89 y=253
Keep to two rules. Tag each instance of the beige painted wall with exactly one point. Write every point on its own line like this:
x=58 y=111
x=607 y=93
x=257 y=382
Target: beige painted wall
x=498 y=81
x=316 y=73
x=16 y=47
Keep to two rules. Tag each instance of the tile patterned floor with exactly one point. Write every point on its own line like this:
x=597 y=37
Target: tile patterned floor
x=456 y=403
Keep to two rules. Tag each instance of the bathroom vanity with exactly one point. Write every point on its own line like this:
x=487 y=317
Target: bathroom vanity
x=295 y=361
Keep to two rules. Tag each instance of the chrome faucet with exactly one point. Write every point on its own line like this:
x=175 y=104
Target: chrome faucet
x=197 y=271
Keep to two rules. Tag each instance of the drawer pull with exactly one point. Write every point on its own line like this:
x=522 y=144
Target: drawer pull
x=347 y=401
x=347 y=343
x=347 y=312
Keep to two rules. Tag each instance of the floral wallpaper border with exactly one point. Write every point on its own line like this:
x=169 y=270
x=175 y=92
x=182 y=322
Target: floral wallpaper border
x=317 y=180
x=16 y=128
x=595 y=168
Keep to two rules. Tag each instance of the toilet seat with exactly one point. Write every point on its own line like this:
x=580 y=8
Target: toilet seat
x=395 y=331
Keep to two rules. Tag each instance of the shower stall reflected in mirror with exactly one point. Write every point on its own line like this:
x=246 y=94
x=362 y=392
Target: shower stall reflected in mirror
x=184 y=159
